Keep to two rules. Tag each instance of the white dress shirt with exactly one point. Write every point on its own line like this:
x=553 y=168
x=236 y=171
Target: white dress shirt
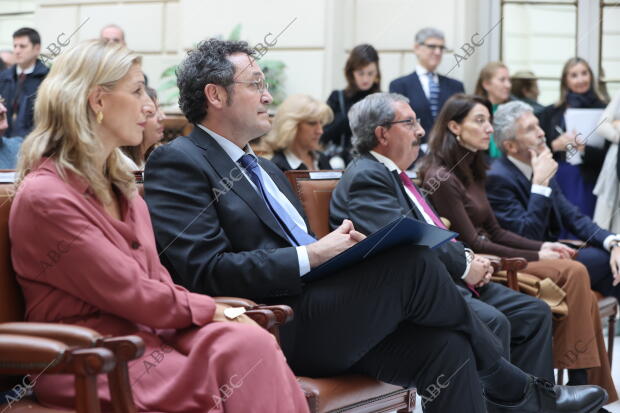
x=546 y=192
x=235 y=152
x=423 y=76
x=389 y=164
x=26 y=71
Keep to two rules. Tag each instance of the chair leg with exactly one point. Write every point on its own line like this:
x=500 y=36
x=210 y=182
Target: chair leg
x=611 y=334
x=560 y=378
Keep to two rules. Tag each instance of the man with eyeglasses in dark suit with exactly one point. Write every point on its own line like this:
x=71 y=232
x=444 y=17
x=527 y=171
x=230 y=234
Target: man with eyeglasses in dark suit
x=426 y=89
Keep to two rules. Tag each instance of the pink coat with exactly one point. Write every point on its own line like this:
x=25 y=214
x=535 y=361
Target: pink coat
x=78 y=265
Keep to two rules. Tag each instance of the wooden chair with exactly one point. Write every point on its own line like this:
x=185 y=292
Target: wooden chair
x=175 y=125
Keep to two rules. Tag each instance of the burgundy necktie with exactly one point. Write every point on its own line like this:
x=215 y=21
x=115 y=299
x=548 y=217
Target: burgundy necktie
x=411 y=187
x=427 y=209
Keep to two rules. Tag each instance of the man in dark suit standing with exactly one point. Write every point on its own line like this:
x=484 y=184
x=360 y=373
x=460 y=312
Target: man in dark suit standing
x=426 y=89
x=227 y=223
x=19 y=83
x=527 y=200
x=374 y=190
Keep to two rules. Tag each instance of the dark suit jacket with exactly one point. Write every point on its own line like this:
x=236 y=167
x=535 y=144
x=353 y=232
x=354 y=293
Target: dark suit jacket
x=280 y=160
x=411 y=87
x=532 y=215
x=371 y=196
x=24 y=120
x=214 y=232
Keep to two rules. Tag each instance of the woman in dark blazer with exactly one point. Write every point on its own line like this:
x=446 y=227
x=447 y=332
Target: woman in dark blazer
x=363 y=78
x=294 y=137
x=577 y=90
x=454 y=175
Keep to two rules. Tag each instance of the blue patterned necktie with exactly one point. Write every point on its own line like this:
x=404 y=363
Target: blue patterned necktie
x=433 y=97
x=294 y=233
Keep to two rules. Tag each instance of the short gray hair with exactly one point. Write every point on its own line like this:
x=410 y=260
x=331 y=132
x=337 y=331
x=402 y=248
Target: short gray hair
x=374 y=110
x=427 y=33
x=505 y=121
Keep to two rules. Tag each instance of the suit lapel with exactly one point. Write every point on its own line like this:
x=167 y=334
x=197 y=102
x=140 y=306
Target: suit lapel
x=525 y=186
x=443 y=90
x=417 y=90
x=284 y=187
x=232 y=177
x=405 y=202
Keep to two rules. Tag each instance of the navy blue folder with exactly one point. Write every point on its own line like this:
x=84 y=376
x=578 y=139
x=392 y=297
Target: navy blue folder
x=401 y=231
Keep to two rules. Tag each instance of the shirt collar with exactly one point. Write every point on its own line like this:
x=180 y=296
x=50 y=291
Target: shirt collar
x=422 y=72
x=294 y=161
x=523 y=167
x=232 y=150
x=386 y=161
x=26 y=71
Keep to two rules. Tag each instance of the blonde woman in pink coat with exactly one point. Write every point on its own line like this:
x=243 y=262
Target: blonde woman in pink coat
x=84 y=252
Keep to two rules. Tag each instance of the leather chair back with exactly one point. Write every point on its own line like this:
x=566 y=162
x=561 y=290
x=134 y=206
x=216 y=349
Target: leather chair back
x=314 y=190
x=11 y=298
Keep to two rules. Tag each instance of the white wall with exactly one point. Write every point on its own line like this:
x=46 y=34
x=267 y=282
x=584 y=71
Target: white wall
x=316 y=44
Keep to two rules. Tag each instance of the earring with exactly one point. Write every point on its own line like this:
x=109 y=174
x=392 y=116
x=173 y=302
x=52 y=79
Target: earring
x=99 y=117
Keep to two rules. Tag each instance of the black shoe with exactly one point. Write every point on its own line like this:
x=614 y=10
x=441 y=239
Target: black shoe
x=542 y=396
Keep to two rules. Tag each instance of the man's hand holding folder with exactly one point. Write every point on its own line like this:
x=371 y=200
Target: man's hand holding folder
x=350 y=247
x=332 y=244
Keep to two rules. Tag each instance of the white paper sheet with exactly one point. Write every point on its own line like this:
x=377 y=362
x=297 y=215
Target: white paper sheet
x=585 y=123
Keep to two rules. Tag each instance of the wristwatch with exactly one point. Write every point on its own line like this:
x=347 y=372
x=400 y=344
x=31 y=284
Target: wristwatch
x=233 y=312
x=613 y=244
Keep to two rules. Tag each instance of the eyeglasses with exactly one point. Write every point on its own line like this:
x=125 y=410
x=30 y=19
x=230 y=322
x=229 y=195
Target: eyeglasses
x=261 y=84
x=434 y=47
x=411 y=124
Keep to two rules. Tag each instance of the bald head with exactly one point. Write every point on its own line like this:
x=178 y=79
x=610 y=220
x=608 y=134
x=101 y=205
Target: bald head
x=112 y=33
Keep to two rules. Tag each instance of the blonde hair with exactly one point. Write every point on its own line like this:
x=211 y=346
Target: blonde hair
x=486 y=74
x=570 y=63
x=64 y=120
x=295 y=109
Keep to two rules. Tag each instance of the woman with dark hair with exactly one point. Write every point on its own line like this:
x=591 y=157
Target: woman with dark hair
x=456 y=159
x=363 y=78
x=577 y=90
x=135 y=156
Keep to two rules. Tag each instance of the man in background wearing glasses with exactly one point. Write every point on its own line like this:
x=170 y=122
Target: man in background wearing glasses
x=427 y=91
x=9 y=147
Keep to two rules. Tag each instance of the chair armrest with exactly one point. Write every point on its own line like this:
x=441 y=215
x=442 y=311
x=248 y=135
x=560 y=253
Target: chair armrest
x=123 y=348
x=283 y=313
x=264 y=318
x=20 y=355
x=512 y=266
x=70 y=335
